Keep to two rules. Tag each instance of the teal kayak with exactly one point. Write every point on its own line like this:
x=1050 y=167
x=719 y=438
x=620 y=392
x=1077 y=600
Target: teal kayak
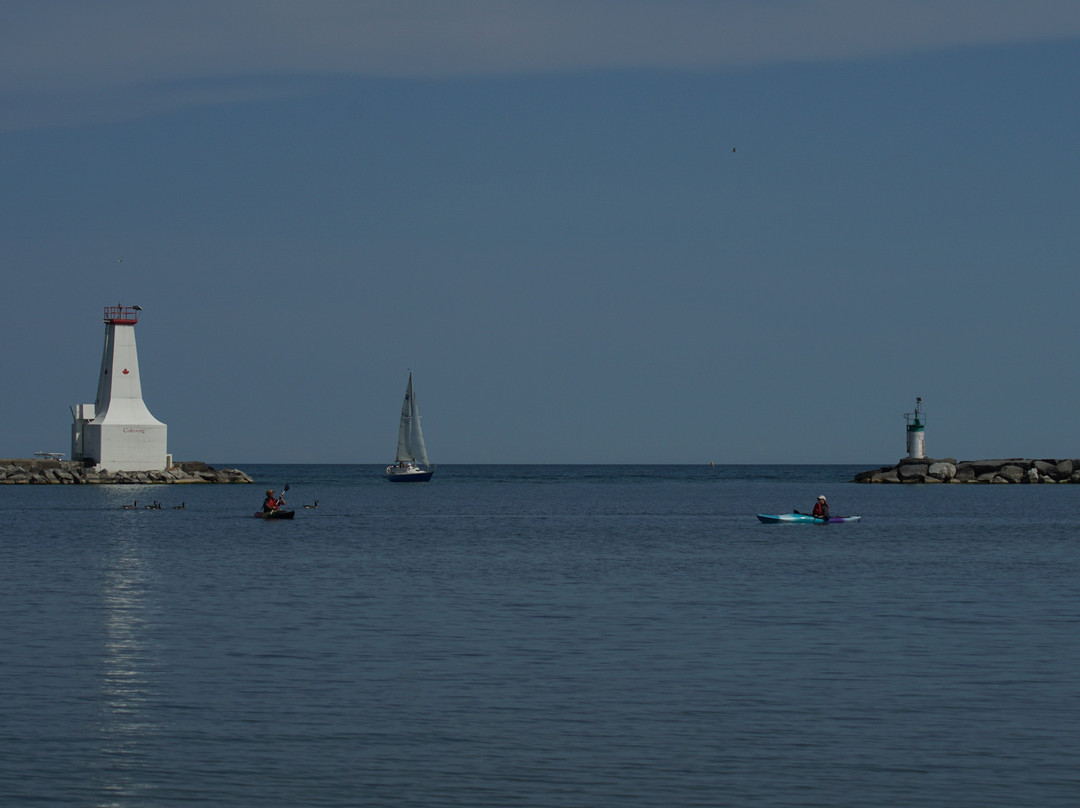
x=802 y=519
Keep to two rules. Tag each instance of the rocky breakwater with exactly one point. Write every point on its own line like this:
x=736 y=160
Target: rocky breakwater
x=948 y=470
x=61 y=472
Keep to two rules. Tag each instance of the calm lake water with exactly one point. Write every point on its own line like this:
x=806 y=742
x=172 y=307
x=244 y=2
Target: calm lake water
x=541 y=636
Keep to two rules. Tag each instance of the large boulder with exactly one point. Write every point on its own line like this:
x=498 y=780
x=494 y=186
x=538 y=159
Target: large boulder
x=912 y=472
x=192 y=466
x=941 y=470
x=1012 y=473
x=1046 y=468
x=862 y=477
x=965 y=473
x=991 y=466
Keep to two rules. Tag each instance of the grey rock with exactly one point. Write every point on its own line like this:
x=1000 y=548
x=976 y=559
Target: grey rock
x=941 y=470
x=912 y=472
x=1044 y=467
x=1010 y=470
x=991 y=466
x=868 y=476
x=889 y=476
x=965 y=473
x=1012 y=473
x=74 y=473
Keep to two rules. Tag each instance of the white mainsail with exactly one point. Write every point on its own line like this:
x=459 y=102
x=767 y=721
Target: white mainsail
x=410 y=442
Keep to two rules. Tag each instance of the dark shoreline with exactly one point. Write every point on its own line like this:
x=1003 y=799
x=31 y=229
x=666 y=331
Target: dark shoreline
x=69 y=472
x=1011 y=470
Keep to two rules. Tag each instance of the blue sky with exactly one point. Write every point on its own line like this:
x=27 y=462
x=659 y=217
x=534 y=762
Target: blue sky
x=537 y=209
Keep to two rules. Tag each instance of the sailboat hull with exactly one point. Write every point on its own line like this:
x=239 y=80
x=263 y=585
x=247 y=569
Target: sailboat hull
x=411 y=474
x=421 y=477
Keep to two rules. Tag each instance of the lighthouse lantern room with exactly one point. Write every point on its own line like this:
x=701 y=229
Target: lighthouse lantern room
x=117 y=432
x=916 y=431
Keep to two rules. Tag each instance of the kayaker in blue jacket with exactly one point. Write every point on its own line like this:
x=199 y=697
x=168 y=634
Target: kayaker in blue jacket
x=821 y=508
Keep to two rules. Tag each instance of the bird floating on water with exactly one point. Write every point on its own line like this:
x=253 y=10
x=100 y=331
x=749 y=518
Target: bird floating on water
x=131 y=507
x=312 y=507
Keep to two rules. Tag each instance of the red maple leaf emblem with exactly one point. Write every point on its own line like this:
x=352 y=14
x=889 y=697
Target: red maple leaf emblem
x=125 y=371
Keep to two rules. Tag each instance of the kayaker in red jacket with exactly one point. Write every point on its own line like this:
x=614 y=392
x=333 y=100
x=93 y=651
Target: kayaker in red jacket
x=271 y=503
x=821 y=508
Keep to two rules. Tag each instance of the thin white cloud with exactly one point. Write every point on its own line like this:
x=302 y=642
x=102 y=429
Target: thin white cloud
x=72 y=59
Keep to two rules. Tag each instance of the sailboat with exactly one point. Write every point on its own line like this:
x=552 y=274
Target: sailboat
x=411 y=453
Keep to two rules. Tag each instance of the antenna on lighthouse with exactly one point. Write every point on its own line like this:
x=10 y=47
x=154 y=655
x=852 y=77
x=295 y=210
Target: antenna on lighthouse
x=916 y=431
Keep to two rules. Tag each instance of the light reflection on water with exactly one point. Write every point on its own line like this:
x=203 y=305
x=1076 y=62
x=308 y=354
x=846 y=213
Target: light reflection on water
x=129 y=704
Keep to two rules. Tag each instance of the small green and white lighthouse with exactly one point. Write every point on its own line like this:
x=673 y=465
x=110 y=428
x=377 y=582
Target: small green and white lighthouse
x=916 y=431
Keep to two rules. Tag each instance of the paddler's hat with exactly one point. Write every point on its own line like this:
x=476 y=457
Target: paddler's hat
x=271 y=490
x=821 y=496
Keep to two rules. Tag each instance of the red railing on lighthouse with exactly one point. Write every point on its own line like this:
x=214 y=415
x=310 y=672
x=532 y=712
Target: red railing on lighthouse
x=122 y=315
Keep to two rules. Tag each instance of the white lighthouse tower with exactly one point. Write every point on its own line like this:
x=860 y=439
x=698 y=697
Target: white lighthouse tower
x=117 y=432
x=916 y=431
